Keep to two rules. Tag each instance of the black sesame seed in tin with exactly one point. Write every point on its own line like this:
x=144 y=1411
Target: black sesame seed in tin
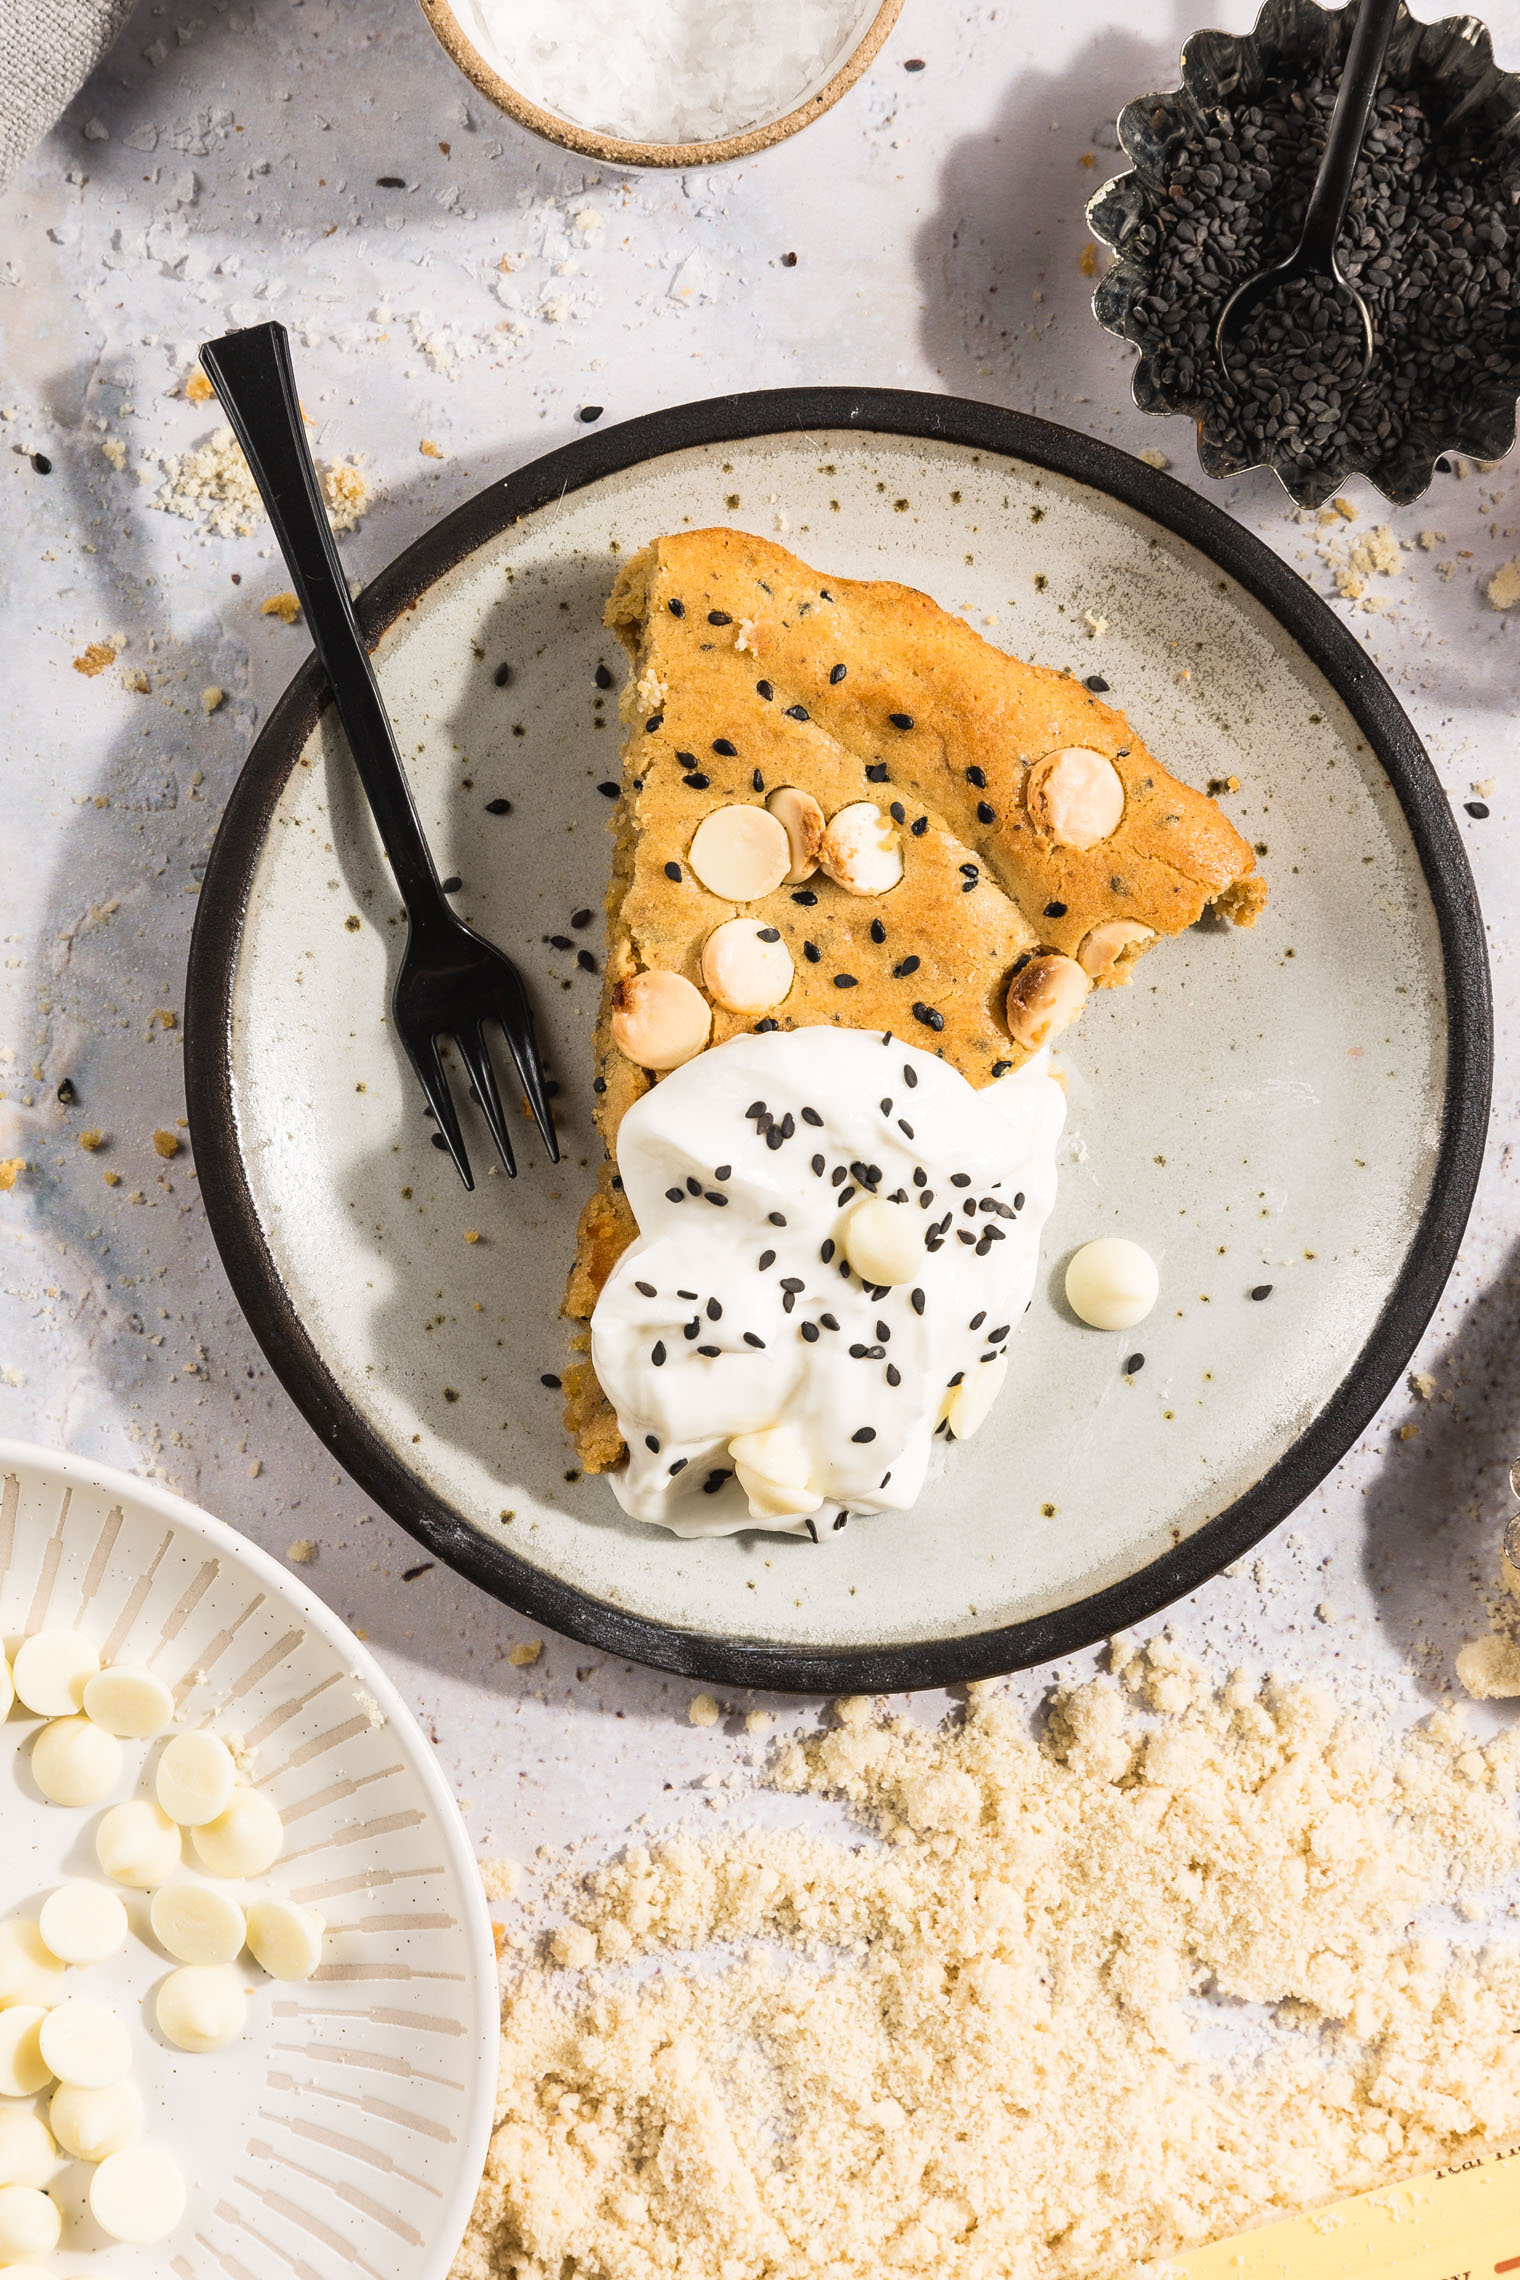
x=502 y=676
x=579 y=918
x=904 y=967
x=608 y=791
x=586 y=961
x=901 y=720
x=726 y=746
x=559 y=942
x=1262 y=1290
x=452 y=884
x=719 y=617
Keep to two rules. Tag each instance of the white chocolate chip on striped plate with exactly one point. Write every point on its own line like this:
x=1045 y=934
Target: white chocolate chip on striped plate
x=1103 y=949
x=195 y=1778
x=89 y=2124
x=1045 y=997
x=75 y=1762
x=1076 y=797
x=740 y=853
x=137 y=2195
x=138 y=1844
x=129 y=1702
x=243 y=1841
x=801 y=818
x=860 y=850
x=659 y=1020
x=51 y=1671
x=746 y=966
x=82 y=1923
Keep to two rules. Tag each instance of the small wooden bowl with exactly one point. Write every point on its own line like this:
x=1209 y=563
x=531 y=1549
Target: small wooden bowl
x=614 y=149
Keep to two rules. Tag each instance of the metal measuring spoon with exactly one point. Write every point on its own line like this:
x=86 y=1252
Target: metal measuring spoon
x=1315 y=255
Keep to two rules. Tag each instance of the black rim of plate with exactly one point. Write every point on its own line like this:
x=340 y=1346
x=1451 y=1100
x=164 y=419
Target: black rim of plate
x=732 y=1661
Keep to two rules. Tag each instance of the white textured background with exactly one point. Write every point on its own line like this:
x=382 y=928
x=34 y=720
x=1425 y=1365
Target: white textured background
x=222 y=168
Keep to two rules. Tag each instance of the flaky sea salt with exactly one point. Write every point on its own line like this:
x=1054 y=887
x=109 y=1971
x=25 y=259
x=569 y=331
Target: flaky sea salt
x=668 y=71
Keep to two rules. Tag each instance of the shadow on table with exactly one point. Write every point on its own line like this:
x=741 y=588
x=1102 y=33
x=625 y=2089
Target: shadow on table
x=1435 y=1512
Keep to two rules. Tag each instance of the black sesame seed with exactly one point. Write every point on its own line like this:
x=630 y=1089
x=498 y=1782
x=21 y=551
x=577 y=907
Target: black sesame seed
x=1055 y=910
x=845 y=982
x=767 y=1259
x=811 y=952
x=904 y=967
x=1018 y=1201
x=675 y=1195
x=719 y=617
x=1097 y=684
x=687 y=759
x=502 y=676
x=792 y=1282
x=776 y=1218
x=647 y=1289
x=696 y=781
x=756 y=781
x=1001 y=1068
x=828 y=1321
x=750 y=1339
x=836 y=674
x=764 y=689
x=916 y=1300
x=774 y=1137
x=878 y=931
x=985 y=812
x=585 y=961
x=1135 y=1364
x=689 y=1295
x=452 y=884
x=693 y=1187
x=579 y=918
x=810 y=1332
x=928 y=1015
x=715 y=1480
x=608 y=791
x=865 y=1433
x=797 y=712
x=1478 y=809
x=657 y=1353
x=894 y=1377
x=877 y=772
x=498 y=807
x=714 y=1310
x=1262 y=1290
x=716 y=1195
x=548 y=1378
x=763 y=1028
x=811 y=1116
x=559 y=942
x=769 y=934
x=652 y=1442
x=898 y=812
x=910 y=1075
x=920 y=827
x=680 y=1465
x=901 y=720
x=390 y=181
x=836 y=1175
x=806 y=897
x=726 y=746
x=602 y=677
x=858 y=1352
x=711 y=1353
x=826 y=1249
x=655 y=720
x=673 y=871
x=817 y=1163
x=977 y=776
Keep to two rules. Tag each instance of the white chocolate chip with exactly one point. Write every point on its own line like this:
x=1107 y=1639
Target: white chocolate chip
x=284 y=1938
x=1103 y=949
x=90 y=2124
x=659 y=1020
x=861 y=851
x=1112 y=1283
x=966 y=1405
x=82 y=1923
x=1045 y=997
x=883 y=1241
x=23 y=2069
x=85 y=2044
x=201 y=2006
x=746 y=967
x=29 y=1970
x=740 y=853
x=195 y=1778
x=196 y=1923
x=138 y=1844
x=129 y=1702
x=801 y=818
x=243 y=1841
x=28 y=2155
x=30 y=2224
x=772 y=1469
x=52 y=1670
x=75 y=1762
x=137 y=2195
x=1076 y=797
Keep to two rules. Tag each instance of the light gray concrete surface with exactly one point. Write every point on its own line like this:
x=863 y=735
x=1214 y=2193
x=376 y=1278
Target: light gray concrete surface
x=222 y=168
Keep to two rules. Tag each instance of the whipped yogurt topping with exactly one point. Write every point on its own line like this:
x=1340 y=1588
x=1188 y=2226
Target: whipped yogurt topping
x=737 y=1316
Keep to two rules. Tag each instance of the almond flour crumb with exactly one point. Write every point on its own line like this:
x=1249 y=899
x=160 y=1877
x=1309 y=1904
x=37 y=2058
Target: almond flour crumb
x=286 y=607
x=345 y=488
x=213 y=699
x=1151 y=457
x=526 y=1651
x=1087 y=2000
x=1503 y=588
x=1489 y=1668
x=212 y=486
x=500 y=1878
x=11 y=1169
x=99 y=655
x=702 y=1710
x=303 y=1550
x=166 y=1144
x=198 y=388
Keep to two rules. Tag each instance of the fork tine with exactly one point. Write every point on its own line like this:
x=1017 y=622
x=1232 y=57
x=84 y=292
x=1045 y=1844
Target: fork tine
x=477 y=1061
x=529 y=1067
x=428 y=1063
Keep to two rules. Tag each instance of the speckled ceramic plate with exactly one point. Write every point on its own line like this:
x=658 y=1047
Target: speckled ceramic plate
x=342 y=2136
x=1301 y=1107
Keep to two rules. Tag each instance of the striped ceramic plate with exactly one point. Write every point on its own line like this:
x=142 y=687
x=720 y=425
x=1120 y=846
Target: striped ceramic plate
x=344 y=2133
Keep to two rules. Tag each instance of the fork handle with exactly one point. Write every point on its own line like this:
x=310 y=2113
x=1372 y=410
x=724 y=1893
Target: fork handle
x=252 y=373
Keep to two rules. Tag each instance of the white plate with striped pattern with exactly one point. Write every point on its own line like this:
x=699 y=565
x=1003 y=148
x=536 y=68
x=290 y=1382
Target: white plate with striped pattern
x=345 y=2133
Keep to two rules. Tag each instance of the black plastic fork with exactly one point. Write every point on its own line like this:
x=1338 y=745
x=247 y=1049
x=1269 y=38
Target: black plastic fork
x=452 y=981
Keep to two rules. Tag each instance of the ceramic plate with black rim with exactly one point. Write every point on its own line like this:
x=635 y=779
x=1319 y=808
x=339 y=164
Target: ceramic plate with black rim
x=1298 y=1110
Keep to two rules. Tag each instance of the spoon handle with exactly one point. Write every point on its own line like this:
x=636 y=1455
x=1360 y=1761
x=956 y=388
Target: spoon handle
x=1348 y=127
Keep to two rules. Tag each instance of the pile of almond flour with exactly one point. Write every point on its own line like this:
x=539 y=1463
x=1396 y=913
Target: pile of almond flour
x=1191 y=1960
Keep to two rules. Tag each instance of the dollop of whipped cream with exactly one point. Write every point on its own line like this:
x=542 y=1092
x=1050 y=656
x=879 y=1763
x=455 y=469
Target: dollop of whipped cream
x=737 y=1317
